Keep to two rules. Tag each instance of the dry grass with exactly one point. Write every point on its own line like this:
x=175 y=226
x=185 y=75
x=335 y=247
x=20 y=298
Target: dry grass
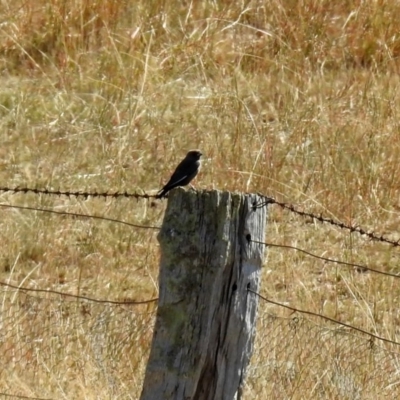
x=298 y=100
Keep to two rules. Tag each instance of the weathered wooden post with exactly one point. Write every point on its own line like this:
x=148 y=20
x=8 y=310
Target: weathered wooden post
x=205 y=325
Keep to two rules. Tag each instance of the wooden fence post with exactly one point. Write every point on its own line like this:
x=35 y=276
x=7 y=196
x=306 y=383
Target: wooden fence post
x=204 y=331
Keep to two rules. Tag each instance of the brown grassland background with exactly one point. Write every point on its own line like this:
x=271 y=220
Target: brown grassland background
x=298 y=100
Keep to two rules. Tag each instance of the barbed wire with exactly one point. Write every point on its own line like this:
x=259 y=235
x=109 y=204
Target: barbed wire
x=77 y=297
x=267 y=200
x=78 y=193
x=320 y=218
x=32 y=293
x=326 y=318
x=360 y=267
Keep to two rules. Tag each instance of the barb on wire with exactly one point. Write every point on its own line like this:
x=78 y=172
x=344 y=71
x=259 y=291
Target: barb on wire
x=370 y=334
x=47 y=210
x=320 y=218
x=332 y=260
x=83 y=194
x=77 y=297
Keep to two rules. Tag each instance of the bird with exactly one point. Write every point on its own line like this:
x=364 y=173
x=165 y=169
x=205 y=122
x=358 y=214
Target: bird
x=187 y=169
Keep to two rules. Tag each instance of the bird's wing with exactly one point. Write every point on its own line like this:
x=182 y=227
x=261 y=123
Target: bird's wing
x=183 y=170
x=177 y=177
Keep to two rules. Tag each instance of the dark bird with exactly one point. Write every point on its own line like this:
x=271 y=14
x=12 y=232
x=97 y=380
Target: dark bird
x=187 y=169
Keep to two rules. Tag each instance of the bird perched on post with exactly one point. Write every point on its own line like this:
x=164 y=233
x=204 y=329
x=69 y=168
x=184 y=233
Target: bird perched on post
x=187 y=169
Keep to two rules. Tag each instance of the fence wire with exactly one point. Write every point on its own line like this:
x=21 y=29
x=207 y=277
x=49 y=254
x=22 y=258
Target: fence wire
x=305 y=357
x=52 y=347
x=47 y=341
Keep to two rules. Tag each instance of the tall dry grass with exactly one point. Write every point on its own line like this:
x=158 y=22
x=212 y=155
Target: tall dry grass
x=297 y=100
